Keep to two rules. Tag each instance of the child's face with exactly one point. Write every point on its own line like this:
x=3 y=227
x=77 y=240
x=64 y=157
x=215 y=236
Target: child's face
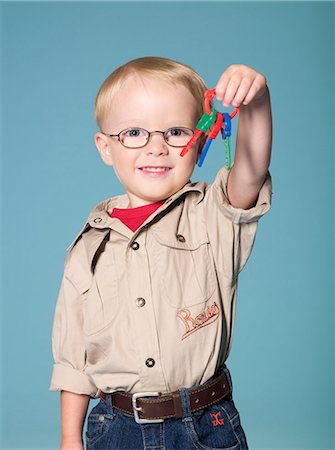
x=151 y=104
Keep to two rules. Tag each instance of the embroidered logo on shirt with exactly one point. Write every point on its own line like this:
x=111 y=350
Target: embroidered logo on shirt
x=217 y=421
x=206 y=317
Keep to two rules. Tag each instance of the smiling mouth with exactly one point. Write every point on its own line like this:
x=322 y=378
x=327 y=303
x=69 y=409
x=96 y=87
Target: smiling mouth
x=155 y=169
x=155 y=172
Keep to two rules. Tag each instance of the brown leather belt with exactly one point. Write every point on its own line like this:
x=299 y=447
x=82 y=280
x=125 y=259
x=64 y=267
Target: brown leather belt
x=168 y=405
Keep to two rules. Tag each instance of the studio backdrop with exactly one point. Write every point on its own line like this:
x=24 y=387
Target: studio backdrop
x=55 y=56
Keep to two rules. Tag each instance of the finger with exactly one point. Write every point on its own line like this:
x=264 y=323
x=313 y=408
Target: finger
x=231 y=90
x=242 y=91
x=221 y=86
x=256 y=86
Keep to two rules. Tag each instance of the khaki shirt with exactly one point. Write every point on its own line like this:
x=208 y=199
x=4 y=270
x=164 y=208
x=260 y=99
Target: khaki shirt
x=154 y=309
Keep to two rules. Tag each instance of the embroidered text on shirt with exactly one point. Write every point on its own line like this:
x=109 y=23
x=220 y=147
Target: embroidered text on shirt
x=206 y=317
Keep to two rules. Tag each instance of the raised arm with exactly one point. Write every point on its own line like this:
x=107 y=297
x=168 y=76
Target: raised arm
x=242 y=86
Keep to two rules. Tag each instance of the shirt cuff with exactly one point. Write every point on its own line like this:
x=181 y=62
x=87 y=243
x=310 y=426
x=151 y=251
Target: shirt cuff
x=69 y=379
x=239 y=215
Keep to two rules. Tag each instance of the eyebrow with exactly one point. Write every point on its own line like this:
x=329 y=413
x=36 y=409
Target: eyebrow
x=129 y=124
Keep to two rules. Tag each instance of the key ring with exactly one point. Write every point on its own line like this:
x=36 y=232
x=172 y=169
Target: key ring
x=211 y=122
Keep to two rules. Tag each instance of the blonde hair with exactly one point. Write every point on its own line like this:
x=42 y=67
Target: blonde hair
x=166 y=69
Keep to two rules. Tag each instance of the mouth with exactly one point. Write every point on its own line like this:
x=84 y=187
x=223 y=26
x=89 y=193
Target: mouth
x=155 y=168
x=155 y=171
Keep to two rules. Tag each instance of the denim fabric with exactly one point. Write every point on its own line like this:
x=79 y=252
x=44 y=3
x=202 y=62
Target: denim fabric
x=216 y=427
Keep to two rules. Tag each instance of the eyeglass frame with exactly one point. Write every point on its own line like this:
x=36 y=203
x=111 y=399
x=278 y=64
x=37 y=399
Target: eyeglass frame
x=150 y=133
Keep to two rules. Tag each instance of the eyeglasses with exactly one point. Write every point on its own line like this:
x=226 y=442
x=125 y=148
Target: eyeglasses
x=139 y=137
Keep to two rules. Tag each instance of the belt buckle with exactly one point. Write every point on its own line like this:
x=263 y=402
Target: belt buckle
x=136 y=408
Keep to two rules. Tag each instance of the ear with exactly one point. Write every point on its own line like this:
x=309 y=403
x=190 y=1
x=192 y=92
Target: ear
x=101 y=142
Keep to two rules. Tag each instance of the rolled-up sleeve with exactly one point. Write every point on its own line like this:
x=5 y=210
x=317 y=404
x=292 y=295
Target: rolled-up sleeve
x=68 y=345
x=232 y=230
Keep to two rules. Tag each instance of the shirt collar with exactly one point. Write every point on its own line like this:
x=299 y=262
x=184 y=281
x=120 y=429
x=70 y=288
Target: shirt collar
x=99 y=216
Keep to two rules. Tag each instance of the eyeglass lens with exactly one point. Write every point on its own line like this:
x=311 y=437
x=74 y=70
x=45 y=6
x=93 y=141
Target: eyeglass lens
x=137 y=137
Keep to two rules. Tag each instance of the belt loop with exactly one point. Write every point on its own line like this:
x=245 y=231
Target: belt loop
x=227 y=372
x=109 y=403
x=185 y=404
x=221 y=368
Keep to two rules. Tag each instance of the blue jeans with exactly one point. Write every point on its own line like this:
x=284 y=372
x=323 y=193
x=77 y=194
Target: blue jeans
x=214 y=428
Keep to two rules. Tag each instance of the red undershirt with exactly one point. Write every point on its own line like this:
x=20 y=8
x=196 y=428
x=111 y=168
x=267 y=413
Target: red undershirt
x=134 y=217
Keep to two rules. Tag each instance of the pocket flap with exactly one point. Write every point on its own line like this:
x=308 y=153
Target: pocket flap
x=181 y=239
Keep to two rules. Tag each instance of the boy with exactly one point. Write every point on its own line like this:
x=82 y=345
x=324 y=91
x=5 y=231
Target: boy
x=147 y=301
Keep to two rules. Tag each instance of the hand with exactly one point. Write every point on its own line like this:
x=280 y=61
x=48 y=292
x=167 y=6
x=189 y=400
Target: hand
x=239 y=85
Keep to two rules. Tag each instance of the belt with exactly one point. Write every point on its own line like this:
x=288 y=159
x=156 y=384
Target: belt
x=168 y=405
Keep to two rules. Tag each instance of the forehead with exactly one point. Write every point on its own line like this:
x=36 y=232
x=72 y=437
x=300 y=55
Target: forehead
x=150 y=100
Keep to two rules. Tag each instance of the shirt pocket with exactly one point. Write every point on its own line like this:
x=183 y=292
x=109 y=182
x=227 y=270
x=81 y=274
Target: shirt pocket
x=185 y=269
x=102 y=299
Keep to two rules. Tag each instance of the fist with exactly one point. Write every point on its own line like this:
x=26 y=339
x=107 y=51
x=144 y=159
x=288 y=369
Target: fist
x=239 y=85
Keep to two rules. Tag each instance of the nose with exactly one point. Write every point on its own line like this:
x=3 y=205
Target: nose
x=157 y=144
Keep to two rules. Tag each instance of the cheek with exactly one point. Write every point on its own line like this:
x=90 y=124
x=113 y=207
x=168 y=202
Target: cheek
x=192 y=156
x=186 y=167
x=124 y=159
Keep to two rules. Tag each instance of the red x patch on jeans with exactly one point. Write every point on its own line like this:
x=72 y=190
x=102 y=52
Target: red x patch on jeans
x=217 y=421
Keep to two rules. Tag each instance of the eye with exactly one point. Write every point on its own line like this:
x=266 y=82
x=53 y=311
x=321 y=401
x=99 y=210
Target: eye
x=178 y=131
x=134 y=132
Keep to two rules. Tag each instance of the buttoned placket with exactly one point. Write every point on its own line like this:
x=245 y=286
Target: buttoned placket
x=142 y=310
x=142 y=315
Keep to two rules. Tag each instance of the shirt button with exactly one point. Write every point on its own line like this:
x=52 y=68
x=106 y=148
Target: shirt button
x=180 y=238
x=150 y=362
x=140 y=301
x=97 y=220
x=135 y=245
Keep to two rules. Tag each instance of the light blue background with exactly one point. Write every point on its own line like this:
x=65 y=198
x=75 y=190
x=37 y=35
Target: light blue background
x=55 y=56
